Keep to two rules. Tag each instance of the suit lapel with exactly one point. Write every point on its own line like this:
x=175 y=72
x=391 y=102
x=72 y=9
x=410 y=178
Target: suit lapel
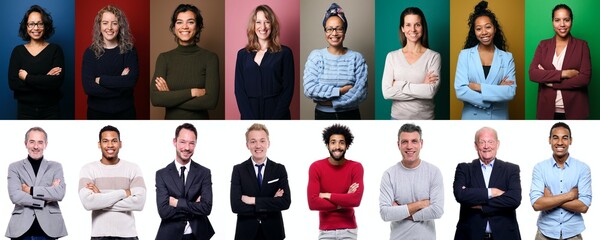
x=249 y=166
x=496 y=172
x=478 y=174
x=476 y=63
x=269 y=168
x=495 y=68
x=30 y=174
x=193 y=173
x=41 y=171
x=174 y=176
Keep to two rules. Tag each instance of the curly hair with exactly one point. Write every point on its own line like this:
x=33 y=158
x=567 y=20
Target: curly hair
x=482 y=10
x=46 y=19
x=338 y=129
x=124 y=37
x=199 y=21
x=414 y=11
x=274 y=42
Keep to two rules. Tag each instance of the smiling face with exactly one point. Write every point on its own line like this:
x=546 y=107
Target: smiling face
x=35 y=26
x=562 y=22
x=185 y=28
x=487 y=145
x=184 y=143
x=560 y=140
x=484 y=30
x=410 y=144
x=109 y=27
x=337 y=147
x=35 y=144
x=262 y=26
x=258 y=143
x=412 y=28
x=109 y=144
x=335 y=32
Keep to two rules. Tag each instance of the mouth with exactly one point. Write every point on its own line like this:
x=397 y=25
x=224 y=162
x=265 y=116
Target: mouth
x=185 y=33
x=110 y=151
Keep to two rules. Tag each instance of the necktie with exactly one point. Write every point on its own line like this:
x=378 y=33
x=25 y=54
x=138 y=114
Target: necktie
x=259 y=177
x=182 y=175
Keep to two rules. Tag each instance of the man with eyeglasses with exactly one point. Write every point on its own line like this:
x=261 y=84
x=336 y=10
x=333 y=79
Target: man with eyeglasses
x=561 y=189
x=489 y=192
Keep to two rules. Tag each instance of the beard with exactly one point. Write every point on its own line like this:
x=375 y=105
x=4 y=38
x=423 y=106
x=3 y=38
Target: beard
x=180 y=155
x=340 y=158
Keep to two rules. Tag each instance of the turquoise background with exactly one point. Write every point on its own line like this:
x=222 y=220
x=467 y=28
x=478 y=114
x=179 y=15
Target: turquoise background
x=387 y=21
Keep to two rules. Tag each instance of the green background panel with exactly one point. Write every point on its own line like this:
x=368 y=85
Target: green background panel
x=538 y=26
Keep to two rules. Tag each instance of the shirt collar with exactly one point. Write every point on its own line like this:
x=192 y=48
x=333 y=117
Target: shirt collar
x=254 y=162
x=179 y=165
x=491 y=165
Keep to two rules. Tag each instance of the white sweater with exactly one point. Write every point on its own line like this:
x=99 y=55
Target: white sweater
x=111 y=208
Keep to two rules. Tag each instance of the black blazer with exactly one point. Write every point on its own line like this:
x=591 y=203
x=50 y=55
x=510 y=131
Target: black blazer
x=198 y=183
x=267 y=208
x=470 y=190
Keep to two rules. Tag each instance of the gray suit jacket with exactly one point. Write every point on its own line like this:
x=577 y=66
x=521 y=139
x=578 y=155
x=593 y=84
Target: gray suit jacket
x=43 y=204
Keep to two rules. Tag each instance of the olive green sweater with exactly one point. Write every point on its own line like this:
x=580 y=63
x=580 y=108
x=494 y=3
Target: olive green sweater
x=184 y=68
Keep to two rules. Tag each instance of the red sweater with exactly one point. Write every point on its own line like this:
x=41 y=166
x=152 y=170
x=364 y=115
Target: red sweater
x=338 y=211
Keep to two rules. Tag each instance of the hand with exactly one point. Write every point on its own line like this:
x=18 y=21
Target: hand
x=476 y=207
x=325 y=195
x=26 y=188
x=394 y=203
x=506 y=82
x=569 y=73
x=496 y=192
x=128 y=192
x=54 y=71
x=56 y=182
x=198 y=92
x=574 y=193
x=540 y=67
x=173 y=202
x=125 y=71
x=97 y=80
x=353 y=188
x=424 y=203
x=549 y=85
x=161 y=84
x=92 y=186
x=22 y=74
x=345 y=89
x=248 y=200
x=431 y=78
x=475 y=87
x=199 y=197
x=279 y=193
x=547 y=192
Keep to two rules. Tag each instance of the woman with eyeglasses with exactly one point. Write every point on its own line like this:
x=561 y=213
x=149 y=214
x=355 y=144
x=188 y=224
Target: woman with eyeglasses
x=35 y=71
x=411 y=74
x=110 y=67
x=264 y=70
x=186 y=79
x=562 y=68
x=335 y=77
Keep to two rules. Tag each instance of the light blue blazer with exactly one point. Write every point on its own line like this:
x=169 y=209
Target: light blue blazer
x=44 y=201
x=492 y=102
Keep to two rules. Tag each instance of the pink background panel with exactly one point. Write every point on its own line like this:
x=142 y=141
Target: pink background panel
x=237 y=13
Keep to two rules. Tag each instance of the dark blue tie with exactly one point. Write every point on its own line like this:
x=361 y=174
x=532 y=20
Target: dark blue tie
x=259 y=177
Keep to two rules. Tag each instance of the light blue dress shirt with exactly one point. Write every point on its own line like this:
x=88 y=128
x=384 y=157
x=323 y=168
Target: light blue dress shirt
x=487 y=173
x=559 y=222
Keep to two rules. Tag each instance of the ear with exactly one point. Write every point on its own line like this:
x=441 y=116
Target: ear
x=99 y=145
x=175 y=142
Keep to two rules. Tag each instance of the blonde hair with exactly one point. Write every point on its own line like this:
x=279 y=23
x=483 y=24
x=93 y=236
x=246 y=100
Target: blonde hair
x=257 y=127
